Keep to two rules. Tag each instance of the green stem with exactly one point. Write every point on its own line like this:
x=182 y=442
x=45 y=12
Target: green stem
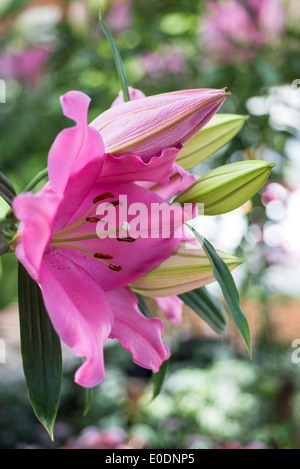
x=36 y=180
x=9 y=217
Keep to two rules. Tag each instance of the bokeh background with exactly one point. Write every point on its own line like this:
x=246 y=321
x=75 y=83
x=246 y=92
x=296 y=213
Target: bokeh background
x=213 y=396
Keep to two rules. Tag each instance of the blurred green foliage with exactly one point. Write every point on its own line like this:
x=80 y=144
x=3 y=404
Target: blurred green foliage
x=210 y=399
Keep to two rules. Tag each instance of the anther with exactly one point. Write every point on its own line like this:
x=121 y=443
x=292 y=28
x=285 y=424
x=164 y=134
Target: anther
x=92 y=219
x=127 y=240
x=114 y=202
x=115 y=267
x=105 y=195
x=100 y=255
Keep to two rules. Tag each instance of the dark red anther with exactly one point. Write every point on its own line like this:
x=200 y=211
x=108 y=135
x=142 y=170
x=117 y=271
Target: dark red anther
x=92 y=219
x=100 y=255
x=127 y=240
x=105 y=195
x=116 y=268
x=114 y=202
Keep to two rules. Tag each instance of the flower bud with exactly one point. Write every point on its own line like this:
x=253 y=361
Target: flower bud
x=187 y=269
x=227 y=187
x=219 y=131
x=148 y=125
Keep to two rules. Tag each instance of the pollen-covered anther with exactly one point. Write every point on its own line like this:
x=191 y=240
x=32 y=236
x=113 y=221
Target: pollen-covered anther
x=92 y=219
x=116 y=268
x=100 y=255
x=105 y=195
x=115 y=203
x=129 y=239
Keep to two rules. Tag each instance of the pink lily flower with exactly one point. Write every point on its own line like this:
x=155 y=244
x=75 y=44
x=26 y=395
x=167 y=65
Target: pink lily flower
x=83 y=275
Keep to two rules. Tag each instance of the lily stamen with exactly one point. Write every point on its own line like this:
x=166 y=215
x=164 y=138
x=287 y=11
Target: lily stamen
x=95 y=255
x=129 y=239
x=82 y=221
x=100 y=255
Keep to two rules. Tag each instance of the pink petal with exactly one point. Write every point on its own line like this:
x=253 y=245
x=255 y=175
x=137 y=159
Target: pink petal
x=79 y=311
x=36 y=213
x=138 y=334
x=74 y=148
x=133 y=94
x=138 y=257
x=130 y=167
x=172 y=306
x=179 y=181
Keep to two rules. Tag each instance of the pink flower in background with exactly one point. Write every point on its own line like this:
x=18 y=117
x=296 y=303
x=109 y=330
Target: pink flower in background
x=83 y=276
x=168 y=59
x=119 y=16
x=271 y=18
x=233 y=31
x=94 y=438
x=26 y=65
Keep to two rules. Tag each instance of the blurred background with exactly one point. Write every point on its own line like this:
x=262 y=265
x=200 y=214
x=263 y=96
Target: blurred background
x=213 y=396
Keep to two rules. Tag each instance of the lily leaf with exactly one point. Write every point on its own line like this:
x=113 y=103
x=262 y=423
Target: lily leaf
x=207 y=307
x=7 y=191
x=117 y=57
x=159 y=378
x=4 y=247
x=41 y=352
x=230 y=292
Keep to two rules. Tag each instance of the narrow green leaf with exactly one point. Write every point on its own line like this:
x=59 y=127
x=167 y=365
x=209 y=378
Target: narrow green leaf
x=89 y=394
x=7 y=191
x=230 y=292
x=41 y=352
x=117 y=57
x=158 y=379
x=4 y=247
x=207 y=307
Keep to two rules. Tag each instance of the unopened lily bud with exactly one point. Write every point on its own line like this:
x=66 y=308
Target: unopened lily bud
x=187 y=269
x=228 y=187
x=218 y=132
x=148 y=125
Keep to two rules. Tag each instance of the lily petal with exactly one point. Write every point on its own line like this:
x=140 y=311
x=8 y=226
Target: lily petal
x=179 y=181
x=74 y=148
x=172 y=306
x=130 y=167
x=137 y=334
x=36 y=213
x=79 y=311
x=152 y=242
